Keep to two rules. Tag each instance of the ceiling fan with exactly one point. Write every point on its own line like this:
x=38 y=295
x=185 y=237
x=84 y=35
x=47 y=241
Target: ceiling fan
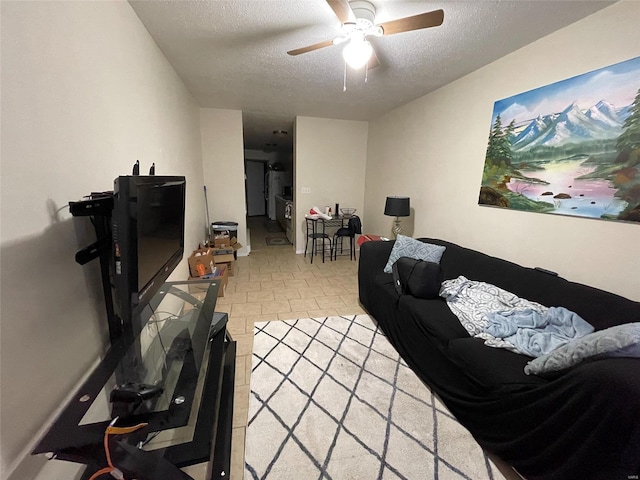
x=358 y=23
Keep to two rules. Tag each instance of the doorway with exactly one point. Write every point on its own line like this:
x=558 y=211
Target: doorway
x=255 y=171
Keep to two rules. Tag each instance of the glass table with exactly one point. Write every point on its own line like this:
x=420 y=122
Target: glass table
x=176 y=375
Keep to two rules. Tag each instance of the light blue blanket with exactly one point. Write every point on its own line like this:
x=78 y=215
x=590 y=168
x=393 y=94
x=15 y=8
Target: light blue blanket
x=537 y=333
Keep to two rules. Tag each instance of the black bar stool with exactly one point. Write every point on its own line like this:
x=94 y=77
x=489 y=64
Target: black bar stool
x=314 y=234
x=353 y=228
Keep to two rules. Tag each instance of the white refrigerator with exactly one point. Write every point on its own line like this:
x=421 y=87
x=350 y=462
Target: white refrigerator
x=274 y=183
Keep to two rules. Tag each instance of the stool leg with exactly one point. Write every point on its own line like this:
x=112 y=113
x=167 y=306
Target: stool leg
x=324 y=247
x=313 y=247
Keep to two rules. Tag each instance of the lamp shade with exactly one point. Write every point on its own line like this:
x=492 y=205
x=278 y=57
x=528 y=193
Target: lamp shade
x=357 y=53
x=397 y=207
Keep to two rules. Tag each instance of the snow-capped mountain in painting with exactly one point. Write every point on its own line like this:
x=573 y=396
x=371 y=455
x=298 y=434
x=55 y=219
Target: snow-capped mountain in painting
x=573 y=125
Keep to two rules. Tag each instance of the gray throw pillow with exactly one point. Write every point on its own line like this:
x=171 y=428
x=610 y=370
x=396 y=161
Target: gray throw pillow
x=412 y=248
x=618 y=341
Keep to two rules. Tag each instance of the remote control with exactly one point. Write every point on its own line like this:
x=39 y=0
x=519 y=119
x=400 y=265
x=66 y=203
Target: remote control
x=134 y=392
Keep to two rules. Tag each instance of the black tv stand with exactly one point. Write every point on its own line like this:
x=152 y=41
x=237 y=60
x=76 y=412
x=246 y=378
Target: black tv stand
x=183 y=349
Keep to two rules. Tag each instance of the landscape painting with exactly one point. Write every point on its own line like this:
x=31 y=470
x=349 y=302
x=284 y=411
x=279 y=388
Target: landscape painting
x=569 y=148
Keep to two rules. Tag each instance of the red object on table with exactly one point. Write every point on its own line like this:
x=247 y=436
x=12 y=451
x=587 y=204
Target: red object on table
x=367 y=237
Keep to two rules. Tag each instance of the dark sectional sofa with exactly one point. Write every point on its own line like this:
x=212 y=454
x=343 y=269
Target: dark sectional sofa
x=581 y=423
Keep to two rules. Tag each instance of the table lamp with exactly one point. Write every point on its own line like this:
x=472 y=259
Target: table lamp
x=397 y=207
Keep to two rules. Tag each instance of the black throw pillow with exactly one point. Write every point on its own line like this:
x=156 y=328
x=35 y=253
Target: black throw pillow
x=417 y=277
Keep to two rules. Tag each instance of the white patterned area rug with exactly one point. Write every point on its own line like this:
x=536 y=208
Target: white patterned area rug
x=331 y=399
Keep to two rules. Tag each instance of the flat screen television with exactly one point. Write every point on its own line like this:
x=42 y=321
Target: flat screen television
x=147 y=227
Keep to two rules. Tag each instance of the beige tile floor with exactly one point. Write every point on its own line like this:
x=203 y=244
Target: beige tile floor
x=273 y=283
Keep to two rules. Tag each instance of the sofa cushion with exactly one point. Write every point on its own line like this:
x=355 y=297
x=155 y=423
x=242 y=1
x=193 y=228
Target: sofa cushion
x=417 y=277
x=493 y=369
x=409 y=247
x=434 y=318
x=618 y=341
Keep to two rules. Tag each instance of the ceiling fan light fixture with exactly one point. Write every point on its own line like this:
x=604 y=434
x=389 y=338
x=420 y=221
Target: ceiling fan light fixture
x=357 y=53
x=364 y=12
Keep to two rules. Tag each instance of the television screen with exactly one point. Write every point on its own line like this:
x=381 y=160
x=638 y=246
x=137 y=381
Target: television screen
x=160 y=227
x=148 y=239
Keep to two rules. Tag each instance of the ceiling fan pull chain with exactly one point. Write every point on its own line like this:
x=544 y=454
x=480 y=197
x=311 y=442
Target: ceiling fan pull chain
x=344 y=79
x=366 y=72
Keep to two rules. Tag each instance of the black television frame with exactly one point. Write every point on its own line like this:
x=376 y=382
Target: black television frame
x=129 y=297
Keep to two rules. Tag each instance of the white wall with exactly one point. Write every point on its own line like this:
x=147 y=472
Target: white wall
x=85 y=92
x=433 y=151
x=330 y=159
x=223 y=160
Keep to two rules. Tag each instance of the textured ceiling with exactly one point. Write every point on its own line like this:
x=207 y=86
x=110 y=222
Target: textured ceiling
x=232 y=53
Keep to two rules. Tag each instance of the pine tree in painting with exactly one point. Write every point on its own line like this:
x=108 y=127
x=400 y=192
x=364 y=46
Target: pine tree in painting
x=499 y=148
x=630 y=138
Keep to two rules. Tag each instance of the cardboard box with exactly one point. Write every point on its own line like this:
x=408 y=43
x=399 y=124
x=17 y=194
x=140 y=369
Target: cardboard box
x=221 y=242
x=225 y=244
x=226 y=260
x=201 y=262
x=220 y=275
x=222 y=250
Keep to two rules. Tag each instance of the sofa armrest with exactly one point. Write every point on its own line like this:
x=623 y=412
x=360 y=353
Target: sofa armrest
x=375 y=254
x=373 y=258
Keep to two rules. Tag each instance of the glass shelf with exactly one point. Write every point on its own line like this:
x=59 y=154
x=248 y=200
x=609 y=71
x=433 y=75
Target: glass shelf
x=184 y=349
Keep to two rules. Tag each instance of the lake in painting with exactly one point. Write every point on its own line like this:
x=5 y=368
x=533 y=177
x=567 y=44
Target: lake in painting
x=589 y=197
x=570 y=148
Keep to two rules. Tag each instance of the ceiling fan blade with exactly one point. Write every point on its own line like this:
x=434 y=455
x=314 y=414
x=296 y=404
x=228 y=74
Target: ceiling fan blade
x=416 y=22
x=342 y=9
x=311 y=48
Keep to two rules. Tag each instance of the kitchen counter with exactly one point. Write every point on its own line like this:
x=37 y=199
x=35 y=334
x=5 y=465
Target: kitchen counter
x=281 y=206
